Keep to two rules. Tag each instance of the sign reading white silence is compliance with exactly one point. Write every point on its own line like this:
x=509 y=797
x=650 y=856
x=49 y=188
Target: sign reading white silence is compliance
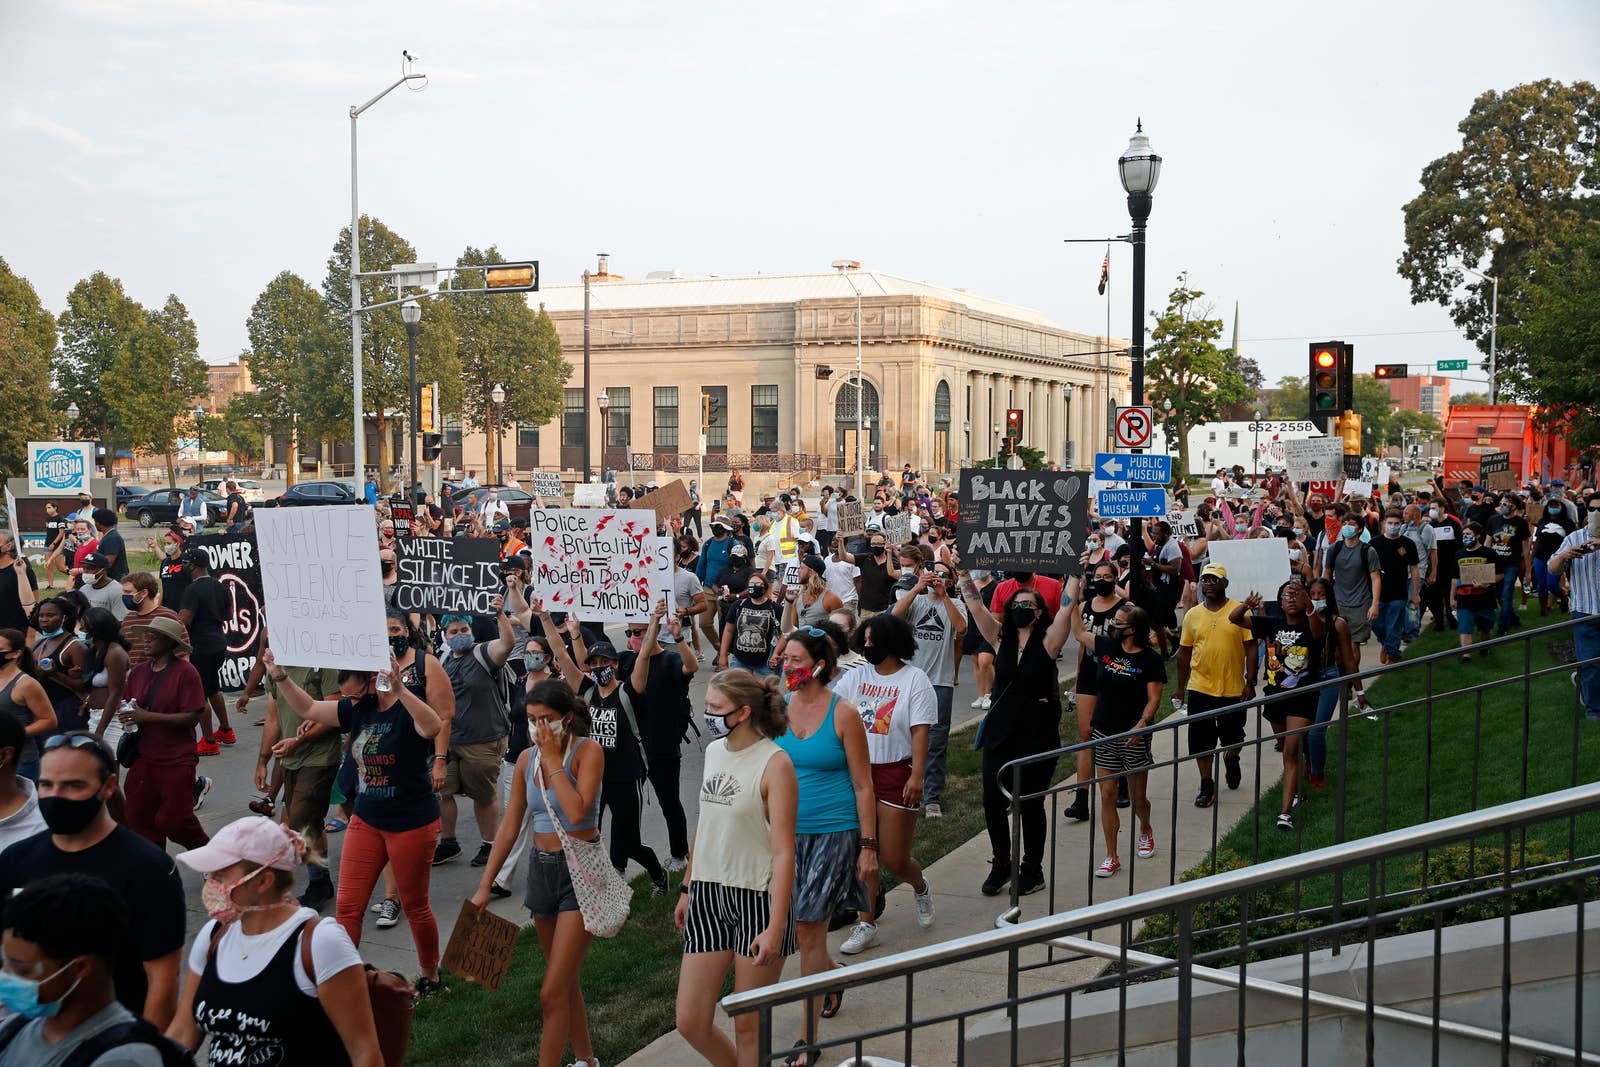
x=1023 y=520
x=322 y=587
x=598 y=564
x=459 y=576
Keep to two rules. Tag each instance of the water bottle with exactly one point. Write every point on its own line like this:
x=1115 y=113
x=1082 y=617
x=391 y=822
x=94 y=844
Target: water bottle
x=384 y=684
x=127 y=708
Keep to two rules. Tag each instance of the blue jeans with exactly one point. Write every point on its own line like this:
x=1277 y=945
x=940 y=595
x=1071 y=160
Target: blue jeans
x=938 y=741
x=1508 y=589
x=1544 y=583
x=1586 y=645
x=1327 y=707
x=1390 y=624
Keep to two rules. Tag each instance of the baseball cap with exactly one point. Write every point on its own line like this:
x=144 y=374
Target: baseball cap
x=254 y=839
x=1214 y=570
x=602 y=650
x=738 y=550
x=96 y=562
x=718 y=524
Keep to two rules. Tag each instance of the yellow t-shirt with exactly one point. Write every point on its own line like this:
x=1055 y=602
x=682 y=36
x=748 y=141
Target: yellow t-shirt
x=1216 y=663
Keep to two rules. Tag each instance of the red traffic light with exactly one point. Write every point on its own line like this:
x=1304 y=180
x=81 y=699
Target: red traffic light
x=1389 y=370
x=1014 y=423
x=1326 y=357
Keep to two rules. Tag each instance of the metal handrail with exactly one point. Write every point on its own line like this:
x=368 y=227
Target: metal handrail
x=1430 y=835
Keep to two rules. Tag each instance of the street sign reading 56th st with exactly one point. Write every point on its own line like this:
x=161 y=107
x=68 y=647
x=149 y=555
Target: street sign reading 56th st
x=1452 y=364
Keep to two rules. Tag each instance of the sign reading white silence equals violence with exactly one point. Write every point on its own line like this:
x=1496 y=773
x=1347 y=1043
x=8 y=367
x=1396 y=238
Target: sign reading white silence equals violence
x=322 y=587
x=1023 y=520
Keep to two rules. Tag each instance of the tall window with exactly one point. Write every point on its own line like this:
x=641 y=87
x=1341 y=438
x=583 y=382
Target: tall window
x=527 y=436
x=666 y=402
x=619 y=416
x=452 y=430
x=717 y=436
x=574 y=425
x=1233 y=438
x=763 y=418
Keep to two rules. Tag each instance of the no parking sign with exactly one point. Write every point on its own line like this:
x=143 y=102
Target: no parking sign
x=1134 y=426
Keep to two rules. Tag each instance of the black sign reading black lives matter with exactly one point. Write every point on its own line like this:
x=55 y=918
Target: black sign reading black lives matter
x=458 y=576
x=1023 y=520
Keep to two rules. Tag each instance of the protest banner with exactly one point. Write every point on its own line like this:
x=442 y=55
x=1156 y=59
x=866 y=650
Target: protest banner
x=1024 y=520
x=546 y=485
x=668 y=502
x=458 y=576
x=589 y=495
x=1354 y=487
x=481 y=946
x=236 y=566
x=1183 y=523
x=1254 y=565
x=662 y=580
x=1481 y=575
x=11 y=520
x=897 y=528
x=599 y=564
x=400 y=514
x=851 y=523
x=1494 y=471
x=1314 y=458
x=323 y=590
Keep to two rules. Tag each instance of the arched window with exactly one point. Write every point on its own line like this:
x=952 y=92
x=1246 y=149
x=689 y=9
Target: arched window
x=941 y=406
x=844 y=405
x=844 y=422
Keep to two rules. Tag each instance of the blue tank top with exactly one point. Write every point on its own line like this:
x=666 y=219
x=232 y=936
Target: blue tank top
x=827 y=799
x=542 y=823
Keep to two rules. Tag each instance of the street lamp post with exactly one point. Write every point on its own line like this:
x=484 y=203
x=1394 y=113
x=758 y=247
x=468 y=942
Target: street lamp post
x=604 y=401
x=200 y=440
x=996 y=442
x=498 y=398
x=1255 y=457
x=844 y=267
x=72 y=420
x=411 y=315
x=1140 y=169
x=966 y=434
x=1494 y=321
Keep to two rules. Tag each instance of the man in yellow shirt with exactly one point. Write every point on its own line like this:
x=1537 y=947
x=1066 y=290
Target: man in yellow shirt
x=1216 y=668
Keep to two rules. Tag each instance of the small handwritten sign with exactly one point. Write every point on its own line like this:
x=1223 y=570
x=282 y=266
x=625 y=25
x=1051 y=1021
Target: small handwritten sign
x=546 y=485
x=481 y=946
x=851 y=522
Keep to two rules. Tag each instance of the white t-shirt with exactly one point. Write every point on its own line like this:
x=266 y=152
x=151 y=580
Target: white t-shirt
x=240 y=957
x=828 y=515
x=841 y=578
x=890 y=705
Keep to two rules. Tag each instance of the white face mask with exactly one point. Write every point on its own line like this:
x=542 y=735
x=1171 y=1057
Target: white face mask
x=716 y=725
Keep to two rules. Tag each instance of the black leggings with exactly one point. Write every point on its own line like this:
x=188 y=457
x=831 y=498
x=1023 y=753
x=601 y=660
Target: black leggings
x=664 y=776
x=621 y=798
x=997 y=808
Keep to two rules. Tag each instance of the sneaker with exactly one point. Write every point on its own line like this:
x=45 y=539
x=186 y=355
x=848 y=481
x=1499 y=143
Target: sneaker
x=1178 y=706
x=864 y=936
x=482 y=858
x=1031 y=880
x=977 y=701
x=660 y=884
x=677 y=863
x=999 y=878
x=1147 y=845
x=986 y=702
x=1285 y=822
x=924 y=903
x=1230 y=769
x=498 y=891
x=1108 y=866
x=1078 y=810
x=388 y=913
x=933 y=811
x=592 y=1061
x=202 y=786
x=1123 y=800
x=377 y=907
x=1207 y=794
x=1317 y=781
x=446 y=850
x=226 y=737
x=203 y=747
x=427 y=987
x=262 y=806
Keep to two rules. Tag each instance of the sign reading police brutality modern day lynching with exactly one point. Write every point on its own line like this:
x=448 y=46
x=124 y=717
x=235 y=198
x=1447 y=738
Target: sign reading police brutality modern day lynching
x=323 y=589
x=600 y=565
x=436 y=576
x=1023 y=520
x=236 y=566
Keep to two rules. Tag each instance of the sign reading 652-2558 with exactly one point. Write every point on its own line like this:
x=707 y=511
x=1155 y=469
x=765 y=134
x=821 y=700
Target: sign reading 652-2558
x=1282 y=427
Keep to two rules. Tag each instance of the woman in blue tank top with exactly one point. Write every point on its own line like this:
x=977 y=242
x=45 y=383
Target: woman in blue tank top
x=565 y=764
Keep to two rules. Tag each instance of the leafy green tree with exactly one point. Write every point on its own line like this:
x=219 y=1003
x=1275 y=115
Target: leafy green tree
x=1559 y=337
x=239 y=428
x=1519 y=185
x=159 y=375
x=1186 y=367
x=1465 y=399
x=27 y=340
x=1415 y=426
x=385 y=380
x=300 y=365
x=1291 y=399
x=96 y=328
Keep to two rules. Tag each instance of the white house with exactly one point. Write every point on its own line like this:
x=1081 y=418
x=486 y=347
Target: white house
x=1252 y=445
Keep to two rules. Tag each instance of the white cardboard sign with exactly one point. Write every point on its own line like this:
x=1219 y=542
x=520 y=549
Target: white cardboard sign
x=1255 y=565
x=600 y=564
x=1314 y=459
x=323 y=588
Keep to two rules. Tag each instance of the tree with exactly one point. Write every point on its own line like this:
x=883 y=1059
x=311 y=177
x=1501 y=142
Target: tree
x=1370 y=400
x=1559 y=337
x=239 y=428
x=500 y=340
x=1291 y=399
x=1516 y=188
x=1186 y=367
x=1254 y=381
x=383 y=334
x=300 y=365
x=1415 y=426
x=27 y=341
x=159 y=375
x=96 y=329
x=1465 y=399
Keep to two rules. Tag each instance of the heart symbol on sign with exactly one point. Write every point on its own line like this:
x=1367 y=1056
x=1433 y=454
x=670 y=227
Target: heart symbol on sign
x=1066 y=489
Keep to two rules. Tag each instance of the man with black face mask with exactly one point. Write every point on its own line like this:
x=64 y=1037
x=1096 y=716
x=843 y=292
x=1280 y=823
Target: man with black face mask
x=879 y=573
x=751 y=629
x=77 y=776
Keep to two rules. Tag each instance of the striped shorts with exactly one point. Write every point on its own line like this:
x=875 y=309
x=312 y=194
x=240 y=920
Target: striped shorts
x=1119 y=752
x=726 y=918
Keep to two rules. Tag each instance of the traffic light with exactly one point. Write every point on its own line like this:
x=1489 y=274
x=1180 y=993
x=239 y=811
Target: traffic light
x=432 y=446
x=1330 y=379
x=1389 y=370
x=512 y=277
x=425 y=405
x=710 y=411
x=1014 y=424
x=1348 y=427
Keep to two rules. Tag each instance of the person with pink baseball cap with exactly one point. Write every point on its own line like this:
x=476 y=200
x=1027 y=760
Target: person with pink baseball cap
x=270 y=981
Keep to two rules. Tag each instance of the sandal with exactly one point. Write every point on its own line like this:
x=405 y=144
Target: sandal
x=833 y=1001
x=797 y=1058
x=333 y=826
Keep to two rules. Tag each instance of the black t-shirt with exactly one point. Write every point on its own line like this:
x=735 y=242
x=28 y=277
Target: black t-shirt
x=877 y=588
x=143 y=876
x=54 y=532
x=1475 y=597
x=12 y=617
x=204 y=598
x=393 y=791
x=175 y=582
x=1507 y=535
x=1291 y=657
x=665 y=691
x=1553 y=529
x=111 y=544
x=1124 y=678
x=1447 y=538
x=236 y=508
x=608 y=725
x=1396 y=557
x=1099 y=624
x=755 y=628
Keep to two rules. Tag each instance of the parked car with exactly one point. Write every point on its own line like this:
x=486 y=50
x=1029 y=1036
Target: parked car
x=250 y=488
x=161 y=505
x=306 y=493
x=126 y=494
x=517 y=501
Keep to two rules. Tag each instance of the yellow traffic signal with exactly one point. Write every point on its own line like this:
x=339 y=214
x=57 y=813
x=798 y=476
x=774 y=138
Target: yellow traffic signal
x=512 y=277
x=1348 y=427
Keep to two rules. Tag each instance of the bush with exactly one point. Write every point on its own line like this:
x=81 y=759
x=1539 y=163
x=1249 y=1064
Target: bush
x=1485 y=868
x=1272 y=912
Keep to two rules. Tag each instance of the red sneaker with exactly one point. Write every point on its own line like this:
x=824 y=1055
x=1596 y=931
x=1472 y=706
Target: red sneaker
x=226 y=737
x=1318 y=781
x=203 y=747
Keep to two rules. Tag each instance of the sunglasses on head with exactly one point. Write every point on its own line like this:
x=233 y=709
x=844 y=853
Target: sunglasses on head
x=809 y=631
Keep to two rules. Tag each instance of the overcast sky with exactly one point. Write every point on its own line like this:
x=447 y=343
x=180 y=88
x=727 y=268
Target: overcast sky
x=202 y=146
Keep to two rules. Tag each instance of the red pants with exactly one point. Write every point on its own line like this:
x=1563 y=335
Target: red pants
x=160 y=804
x=410 y=852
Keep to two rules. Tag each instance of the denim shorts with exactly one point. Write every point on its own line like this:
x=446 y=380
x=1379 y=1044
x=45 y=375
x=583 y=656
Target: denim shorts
x=550 y=889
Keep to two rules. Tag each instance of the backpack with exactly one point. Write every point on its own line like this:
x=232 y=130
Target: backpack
x=132 y=1032
x=1366 y=558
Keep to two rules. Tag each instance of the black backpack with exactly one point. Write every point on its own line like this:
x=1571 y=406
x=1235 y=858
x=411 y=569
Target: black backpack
x=1366 y=559
x=133 y=1032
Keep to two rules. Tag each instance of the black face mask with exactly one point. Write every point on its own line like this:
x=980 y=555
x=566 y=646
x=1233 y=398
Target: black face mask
x=756 y=592
x=67 y=817
x=874 y=655
x=398 y=645
x=1103 y=587
x=1022 y=616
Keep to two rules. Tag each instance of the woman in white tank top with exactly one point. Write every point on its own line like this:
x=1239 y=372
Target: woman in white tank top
x=734 y=906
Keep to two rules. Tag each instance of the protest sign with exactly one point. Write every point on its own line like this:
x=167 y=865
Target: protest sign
x=11 y=519
x=662 y=580
x=589 y=495
x=1314 y=458
x=323 y=587
x=236 y=566
x=1382 y=480
x=601 y=565
x=897 y=528
x=850 y=520
x=481 y=946
x=1327 y=489
x=546 y=485
x=400 y=514
x=1183 y=523
x=668 y=502
x=1255 y=565
x=1481 y=575
x=1024 y=520
x=1354 y=487
x=1494 y=471
x=458 y=576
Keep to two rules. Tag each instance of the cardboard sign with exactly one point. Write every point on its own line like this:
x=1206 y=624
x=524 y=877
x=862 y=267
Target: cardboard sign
x=481 y=946
x=11 y=520
x=589 y=495
x=323 y=587
x=1183 y=523
x=1357 y=487
x=1314 y=458
x=850 y=521
x=601 y=565
x=668 y=502
x=662 y=578
x=1480 y=574
x=546 y=485
x=1494 y=471
x=1255 y=565
x=897 y=528
x=459 y=576
x=236 y=565
x=1024 y=520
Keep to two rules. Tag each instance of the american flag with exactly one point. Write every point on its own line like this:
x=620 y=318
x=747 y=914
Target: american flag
x=1105 y=272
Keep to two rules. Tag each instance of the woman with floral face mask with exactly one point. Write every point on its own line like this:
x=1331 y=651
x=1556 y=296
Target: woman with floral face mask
x=270 y=981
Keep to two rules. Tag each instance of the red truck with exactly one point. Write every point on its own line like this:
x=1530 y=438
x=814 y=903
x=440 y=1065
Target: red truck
x=1537 y=451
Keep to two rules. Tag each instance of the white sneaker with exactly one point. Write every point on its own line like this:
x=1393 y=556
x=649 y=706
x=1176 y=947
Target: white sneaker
x=933 y=811
x=864 y=936
x=1178 y=705
x=986 y=702
x=978 y=703
x=924 y=902
x=676 y=864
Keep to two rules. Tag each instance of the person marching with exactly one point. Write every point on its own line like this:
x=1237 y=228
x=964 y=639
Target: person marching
x=1216 y=668
x=1292 y=643
x=1097 y=609
x=22 y=697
